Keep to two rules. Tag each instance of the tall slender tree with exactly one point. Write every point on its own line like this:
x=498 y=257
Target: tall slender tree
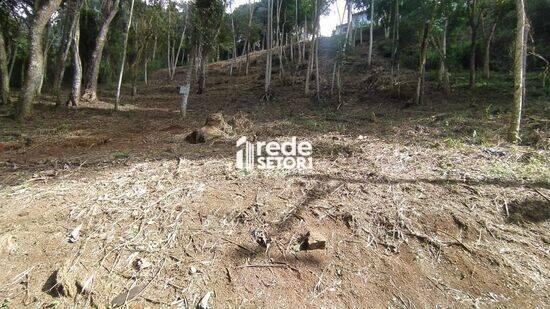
x=520 y=56
x=269 y=52
x=124 y=48
x=4 y=74
x=441 y=48
x=487 y=51
x=371 y=32
x=395 y=44
x=74 y=96
x=234 y=41
x=313 y=47
x=207 y=21
x=422 y=62
x=109 y=11
x=474 y=16
x=248 y=38
x=35 y=68
x=63 y=52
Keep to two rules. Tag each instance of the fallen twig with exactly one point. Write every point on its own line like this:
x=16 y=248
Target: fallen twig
x=274 y=265
x=237 y=244
x=541 y=194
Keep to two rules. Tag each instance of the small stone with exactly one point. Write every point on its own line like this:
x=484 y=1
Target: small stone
x=7 y=244
x=311 y=240
x=315 y=241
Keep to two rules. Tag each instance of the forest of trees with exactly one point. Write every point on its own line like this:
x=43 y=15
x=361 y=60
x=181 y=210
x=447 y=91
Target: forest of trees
x=71 y=46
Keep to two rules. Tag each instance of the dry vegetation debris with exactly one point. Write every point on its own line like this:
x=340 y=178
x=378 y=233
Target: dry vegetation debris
x=404 y=208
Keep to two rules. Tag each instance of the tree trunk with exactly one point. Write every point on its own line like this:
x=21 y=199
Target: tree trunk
x=371 y=30
x=202 y=73
x=168 y=58
x=295 y=34
x=473 y=42
x=269 y=46
x=309 y=65
x=12 y=64
x=234 y=58
x=74 y=97
x=70 y=22
x=36 y=62
x=4 y=75
x=185 y=89
x=168 y=45
x=395 y=46
x=45 y=64
x=175 y=60
x=125 y=46
x=317 y=77
x=153 y=57
x=473 y=39
x=134 y=82
x=349 y=33
x=487 y=57
x=442 y=51
x=444 y=70
x=422 y=63
x=90 y=93
x=22 y=72
x=312 y=53
x=248 y=41
x=305 y=38
x=520 y=55
x=197 y=60
x=279 y=39
x=247 y=47
x=145 y=79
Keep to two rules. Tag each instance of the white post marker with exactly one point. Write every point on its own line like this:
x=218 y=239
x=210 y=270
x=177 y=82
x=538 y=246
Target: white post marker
x=184 y=91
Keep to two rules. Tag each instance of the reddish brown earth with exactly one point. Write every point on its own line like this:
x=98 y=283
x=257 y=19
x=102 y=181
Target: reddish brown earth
x=417 y=209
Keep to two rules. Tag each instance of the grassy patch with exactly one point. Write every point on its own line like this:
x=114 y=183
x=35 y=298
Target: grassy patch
x=453 y=142
x=532 y=166
x=121 y=155
x=63 y=128
x=336 y=148
x=315 y=125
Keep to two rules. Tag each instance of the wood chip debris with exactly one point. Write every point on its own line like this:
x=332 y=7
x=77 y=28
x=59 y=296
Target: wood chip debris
x=73 y=236
x=203 y=304
x=128 y=295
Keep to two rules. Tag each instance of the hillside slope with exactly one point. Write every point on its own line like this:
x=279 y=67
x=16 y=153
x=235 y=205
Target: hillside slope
x=419 y=207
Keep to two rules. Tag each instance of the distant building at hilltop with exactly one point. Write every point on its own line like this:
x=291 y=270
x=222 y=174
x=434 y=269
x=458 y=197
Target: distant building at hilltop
x=359 y=19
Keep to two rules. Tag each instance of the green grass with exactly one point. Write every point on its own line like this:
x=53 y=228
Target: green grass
x=453 y=142
x=532 y=166
x=335 y=148
x=121 y=155
x=63 y=128
x=5 y=303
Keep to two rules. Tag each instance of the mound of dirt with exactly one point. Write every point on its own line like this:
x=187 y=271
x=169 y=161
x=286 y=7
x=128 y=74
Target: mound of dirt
x=215 y=127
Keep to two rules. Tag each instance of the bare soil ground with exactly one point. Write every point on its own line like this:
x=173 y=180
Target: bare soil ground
x=420 y=207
